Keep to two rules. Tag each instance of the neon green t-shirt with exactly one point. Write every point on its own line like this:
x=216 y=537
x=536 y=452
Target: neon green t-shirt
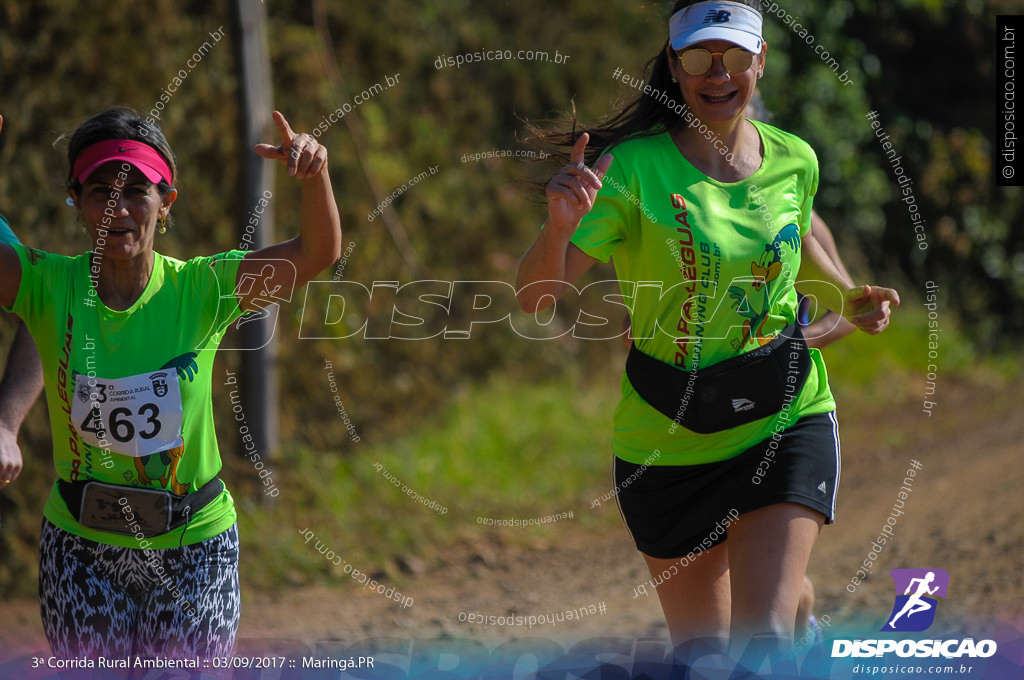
x=708 y=269
x=89 y=350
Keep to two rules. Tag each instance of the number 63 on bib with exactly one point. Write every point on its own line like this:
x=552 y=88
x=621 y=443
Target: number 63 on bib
x=135 y=416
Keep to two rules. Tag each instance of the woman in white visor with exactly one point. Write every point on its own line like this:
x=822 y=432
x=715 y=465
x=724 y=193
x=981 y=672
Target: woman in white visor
x=726 y=449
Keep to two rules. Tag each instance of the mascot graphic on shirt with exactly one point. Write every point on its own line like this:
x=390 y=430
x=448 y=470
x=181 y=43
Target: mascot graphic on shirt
x=163 y=466
x=766 y=269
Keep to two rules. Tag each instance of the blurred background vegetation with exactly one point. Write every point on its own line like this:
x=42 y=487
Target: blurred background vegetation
x=495 y=425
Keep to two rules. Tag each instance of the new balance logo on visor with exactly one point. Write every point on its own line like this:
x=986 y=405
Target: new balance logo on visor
x=717 y=16
x=739 y=405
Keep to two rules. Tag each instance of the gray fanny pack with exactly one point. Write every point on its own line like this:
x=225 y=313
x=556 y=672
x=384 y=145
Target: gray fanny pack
x=128 y=510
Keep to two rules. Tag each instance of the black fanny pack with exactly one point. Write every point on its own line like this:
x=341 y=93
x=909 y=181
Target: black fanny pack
x=129 y=510
x=737 y=391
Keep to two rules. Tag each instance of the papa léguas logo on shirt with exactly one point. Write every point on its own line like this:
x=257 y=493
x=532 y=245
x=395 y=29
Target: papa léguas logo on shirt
x=915 y=606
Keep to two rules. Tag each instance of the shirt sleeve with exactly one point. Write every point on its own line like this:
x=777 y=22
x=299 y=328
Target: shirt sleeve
x=614 y=212
x=812 y=188
x=215 y=290
x=6 y=235
x=36 y=291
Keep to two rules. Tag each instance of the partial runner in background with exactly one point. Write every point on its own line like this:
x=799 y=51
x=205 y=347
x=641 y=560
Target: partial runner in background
x=20 y=386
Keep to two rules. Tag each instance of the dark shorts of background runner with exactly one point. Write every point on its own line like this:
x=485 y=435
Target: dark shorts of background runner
x=672 y=510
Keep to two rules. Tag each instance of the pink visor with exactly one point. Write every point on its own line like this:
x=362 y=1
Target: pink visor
x=142 y=156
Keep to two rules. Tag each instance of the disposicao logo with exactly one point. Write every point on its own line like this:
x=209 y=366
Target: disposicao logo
x=914 y=611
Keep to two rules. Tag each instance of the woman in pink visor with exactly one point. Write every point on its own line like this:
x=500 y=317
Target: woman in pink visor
x=726 y=449
x=139 y=544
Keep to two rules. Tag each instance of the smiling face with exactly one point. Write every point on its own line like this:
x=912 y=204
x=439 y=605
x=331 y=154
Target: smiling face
x=121 y=206
x=717 y=96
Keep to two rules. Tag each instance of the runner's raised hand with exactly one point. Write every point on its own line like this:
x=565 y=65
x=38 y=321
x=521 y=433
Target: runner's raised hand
x=301 y=153
x=571 y=192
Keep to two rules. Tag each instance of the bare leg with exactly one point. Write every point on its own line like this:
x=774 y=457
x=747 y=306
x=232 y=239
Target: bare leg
x=746 y=589
x=696 y=598
x=768 y=552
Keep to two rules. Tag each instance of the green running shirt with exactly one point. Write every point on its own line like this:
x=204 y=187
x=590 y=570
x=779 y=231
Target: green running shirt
x=707 y=268
x=176 y=324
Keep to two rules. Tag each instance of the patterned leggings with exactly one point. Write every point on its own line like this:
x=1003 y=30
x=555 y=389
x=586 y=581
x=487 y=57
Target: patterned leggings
x=104 y=600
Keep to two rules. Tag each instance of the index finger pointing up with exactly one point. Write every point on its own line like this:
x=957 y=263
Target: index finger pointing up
x=286 y=130
x=578 y=149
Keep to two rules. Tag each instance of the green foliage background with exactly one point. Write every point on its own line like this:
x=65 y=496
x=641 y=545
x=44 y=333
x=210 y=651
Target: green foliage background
x=926 y=67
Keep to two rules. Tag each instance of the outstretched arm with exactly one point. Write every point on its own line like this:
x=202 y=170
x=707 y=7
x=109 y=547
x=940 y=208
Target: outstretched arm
x=867 y=307
x=19 y=389
x=10 y=268
x=831 y=326
x=823 y=235
x=23 y=376
x=318 y=244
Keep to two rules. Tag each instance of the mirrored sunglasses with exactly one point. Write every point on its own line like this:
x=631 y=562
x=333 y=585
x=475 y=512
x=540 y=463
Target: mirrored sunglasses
x=697 y=61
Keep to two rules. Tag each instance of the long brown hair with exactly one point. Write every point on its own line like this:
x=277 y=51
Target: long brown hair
x=647 y=115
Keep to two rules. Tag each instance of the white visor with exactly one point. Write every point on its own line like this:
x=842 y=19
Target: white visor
x=731 y=21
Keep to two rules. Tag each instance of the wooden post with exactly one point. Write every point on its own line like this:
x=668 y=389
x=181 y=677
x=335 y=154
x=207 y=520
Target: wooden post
x=259 y=366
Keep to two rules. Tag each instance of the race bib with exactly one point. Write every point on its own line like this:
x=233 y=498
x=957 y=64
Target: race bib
x=135 y=416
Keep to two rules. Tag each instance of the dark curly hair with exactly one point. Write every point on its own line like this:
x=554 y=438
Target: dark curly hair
x=119 y=122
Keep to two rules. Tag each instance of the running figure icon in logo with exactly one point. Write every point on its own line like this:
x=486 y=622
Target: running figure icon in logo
x=923 y=583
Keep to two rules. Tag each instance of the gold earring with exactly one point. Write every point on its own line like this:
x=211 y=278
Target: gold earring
x=81 y=223
x=163 y=224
